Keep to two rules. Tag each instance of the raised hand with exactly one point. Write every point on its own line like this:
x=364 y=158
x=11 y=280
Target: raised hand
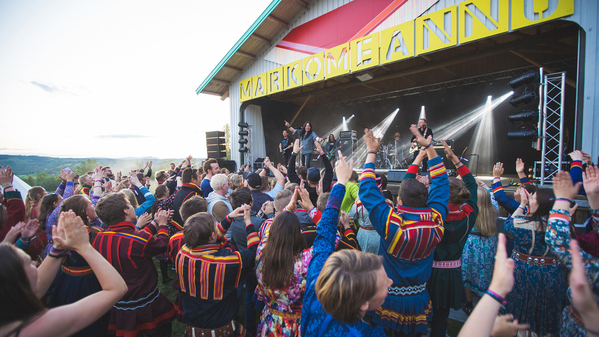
x=287 y=124
x=70 y=176
x=70 y=233
x=133 y=179
x=63 y=176
x=247 y=214
x=498 y=170
x=344 y=220
x=296 y=146
x=236 y=212
x=305 y=201
x=576 y=155
x=13 y=232
x=503 y=274
x=292 y=206
x=108 y=186
x=268 y=207
x=563 y=187
x=590 y=178
x=161 y=217
x=524 y=197
x=98 y=173
x=6 y=175
x=28 y=231
x=373 y=144
x=519 y=165
x=318 y=147
x=144 y=219
x=343 y=169
x=419 y=138
x=282 y=169
x=582 y=295
x=449 y=152
x=587 y=158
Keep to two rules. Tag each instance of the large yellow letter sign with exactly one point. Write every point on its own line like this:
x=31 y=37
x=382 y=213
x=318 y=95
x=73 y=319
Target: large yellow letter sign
x=293 y=75
x=365 y=52
x=441 y=28
x=478 y=13
x=397 y=43
x=259 y=83
x=337 y=61
x=274 y=80
x=313 y=68
x=540 y=12
x=245 y=89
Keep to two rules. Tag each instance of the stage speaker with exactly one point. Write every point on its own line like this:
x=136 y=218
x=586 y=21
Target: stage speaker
x=348 y=146
x=258 y=164
x=230 y=165
x=446 y=162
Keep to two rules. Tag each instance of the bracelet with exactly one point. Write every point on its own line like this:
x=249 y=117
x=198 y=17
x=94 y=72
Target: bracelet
x=496 y=297
x=7 y=184
x=426 y=147
x=373 y=152
x=563 y=199
x=57 y=253
x=523 y=208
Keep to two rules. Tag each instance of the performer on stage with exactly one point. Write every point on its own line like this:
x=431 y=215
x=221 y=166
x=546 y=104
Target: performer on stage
x=285 y=147
x=331 y=148
x=307 y=138
x=425 y=131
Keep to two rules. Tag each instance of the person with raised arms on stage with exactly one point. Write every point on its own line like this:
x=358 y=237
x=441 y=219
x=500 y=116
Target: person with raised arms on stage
x=408 y=238
x=307 y=137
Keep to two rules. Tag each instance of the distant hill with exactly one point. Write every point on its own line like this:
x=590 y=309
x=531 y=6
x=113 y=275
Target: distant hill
x=30 y=165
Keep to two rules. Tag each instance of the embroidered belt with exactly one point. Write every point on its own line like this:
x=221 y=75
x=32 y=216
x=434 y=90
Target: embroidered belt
x=447 y=264
x=224 y=331
x=140 y=303
x=284 y=314
x=535 y=260
x=367 y=228
x=407 y=290
x=77 y=271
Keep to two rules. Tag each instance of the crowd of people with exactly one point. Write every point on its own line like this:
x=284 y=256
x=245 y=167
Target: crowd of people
x=318 y=252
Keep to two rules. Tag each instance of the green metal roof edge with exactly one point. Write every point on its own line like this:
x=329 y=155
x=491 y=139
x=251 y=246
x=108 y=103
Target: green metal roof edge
x=239 y=43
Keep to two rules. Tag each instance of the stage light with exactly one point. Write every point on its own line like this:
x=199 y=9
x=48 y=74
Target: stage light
x=524 y=79
x=524 y=116
x=524 y=133
x=365 y=76
x=525 y=98
x=242 y=134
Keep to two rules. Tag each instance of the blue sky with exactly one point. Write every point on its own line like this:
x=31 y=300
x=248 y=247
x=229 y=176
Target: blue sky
x=113 y=78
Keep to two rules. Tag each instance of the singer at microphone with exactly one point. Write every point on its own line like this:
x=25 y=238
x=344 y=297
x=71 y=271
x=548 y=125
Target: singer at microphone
x=425 y=131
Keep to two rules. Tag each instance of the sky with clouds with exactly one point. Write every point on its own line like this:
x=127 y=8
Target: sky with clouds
x=111 y=78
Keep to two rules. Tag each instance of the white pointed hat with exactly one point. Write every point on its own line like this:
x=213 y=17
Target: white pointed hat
x=422 y=114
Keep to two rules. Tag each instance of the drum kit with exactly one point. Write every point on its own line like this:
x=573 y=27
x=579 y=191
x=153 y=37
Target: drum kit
x=391 y=156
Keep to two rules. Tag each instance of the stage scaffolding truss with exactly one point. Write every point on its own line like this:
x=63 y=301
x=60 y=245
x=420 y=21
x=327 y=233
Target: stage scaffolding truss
x=552 y=122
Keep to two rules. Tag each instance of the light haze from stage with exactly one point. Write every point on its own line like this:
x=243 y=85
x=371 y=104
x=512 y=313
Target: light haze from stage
x=115 y=79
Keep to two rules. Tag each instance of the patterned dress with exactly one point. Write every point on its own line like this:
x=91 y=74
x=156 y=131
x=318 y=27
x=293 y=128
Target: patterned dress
x=283 y=307
x=478 y=259
x=367 y=237
x=539 y=293
x=557 y=236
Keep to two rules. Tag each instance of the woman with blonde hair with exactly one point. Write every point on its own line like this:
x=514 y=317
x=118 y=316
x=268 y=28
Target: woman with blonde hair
x=477 y=257
x=33 y=201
